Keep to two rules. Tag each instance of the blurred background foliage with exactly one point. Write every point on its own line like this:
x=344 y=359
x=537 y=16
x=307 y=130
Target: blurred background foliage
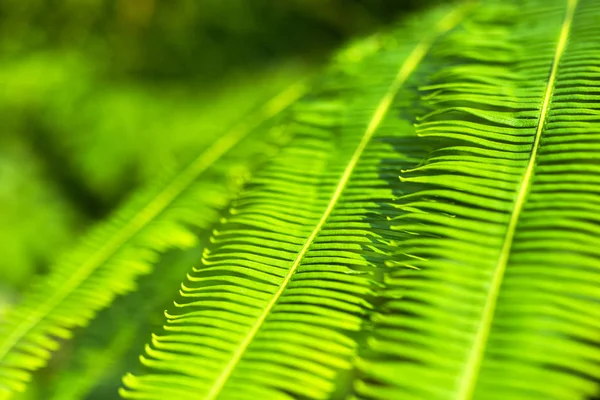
x=98 y=96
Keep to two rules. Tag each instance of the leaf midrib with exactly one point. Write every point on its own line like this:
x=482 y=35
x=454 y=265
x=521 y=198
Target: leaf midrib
x=475 y=358
x=407 y=68
x=155 y=207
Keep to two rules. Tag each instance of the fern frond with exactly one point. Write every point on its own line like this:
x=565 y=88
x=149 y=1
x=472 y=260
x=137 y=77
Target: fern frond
x=112 y=256
x=107 y=348
x=506 y=303
x=274 y=310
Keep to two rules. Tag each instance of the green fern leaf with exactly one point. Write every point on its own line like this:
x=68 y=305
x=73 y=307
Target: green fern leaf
x=100 y=354
x=505 y=305
x=274 y=310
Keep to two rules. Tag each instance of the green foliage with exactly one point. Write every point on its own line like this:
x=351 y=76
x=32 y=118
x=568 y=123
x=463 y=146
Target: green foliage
x=19 y=202
x=419 y=220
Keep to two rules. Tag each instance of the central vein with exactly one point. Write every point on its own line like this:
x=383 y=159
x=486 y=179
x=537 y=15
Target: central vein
x=473 y=366
x=384 y=105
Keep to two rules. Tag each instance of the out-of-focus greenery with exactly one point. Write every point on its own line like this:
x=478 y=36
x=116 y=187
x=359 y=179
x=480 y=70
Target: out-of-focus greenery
x=96 y=97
